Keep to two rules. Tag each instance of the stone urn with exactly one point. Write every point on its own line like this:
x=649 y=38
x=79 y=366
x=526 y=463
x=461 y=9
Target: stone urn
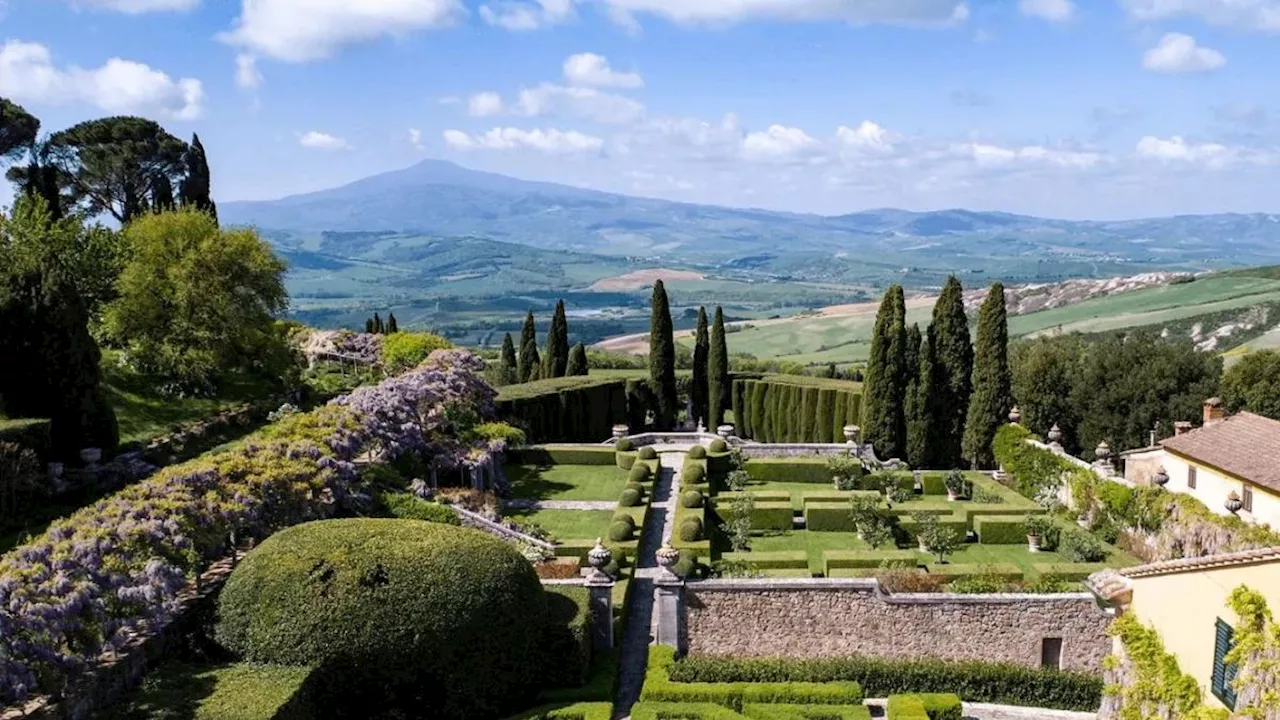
x=921 y=544
x=1161 y=478
x=1015 y=415
x=667 y=558
x=91 y=456
x=1233 y=502
x=701 y=428
x=599 y=558
x=1033 y=543
x=1055 y=435
x=725 y=431
x=851 y=434
x=621 y=431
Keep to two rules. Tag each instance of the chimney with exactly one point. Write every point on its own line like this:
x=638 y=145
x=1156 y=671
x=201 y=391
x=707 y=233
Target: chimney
x=1213 y=411
x=1181 y=427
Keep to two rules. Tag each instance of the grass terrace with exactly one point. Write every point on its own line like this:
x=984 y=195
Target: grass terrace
x=566 y=482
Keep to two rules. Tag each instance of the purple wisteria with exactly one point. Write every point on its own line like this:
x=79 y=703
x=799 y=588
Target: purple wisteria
x=111 y=569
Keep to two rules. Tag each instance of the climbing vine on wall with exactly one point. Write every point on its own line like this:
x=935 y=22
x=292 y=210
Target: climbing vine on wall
x=1256 y=654
x=1144 y=681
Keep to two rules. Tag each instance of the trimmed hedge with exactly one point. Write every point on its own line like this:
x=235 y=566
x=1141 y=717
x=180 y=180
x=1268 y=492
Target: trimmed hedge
x=905 y=707
x=866 y=559
x=624 y=445
x=996 y=530
x=394 y=614
x=621 y=532
x=797 y=470
x=1002 y=683
x=697 y=452
x=241 y=691
x=718 y=446
x=934 y=706
x=639 y=473
x=629 y=498
x=648 y=453
x=561 y=455
x=795 y=408
x=691 y=529
x=828 y=517
x=660 y=687
x=1067 y=572
x=765 y=515
x=682 y=711
x=908 y=529
x=624 y=517
x=567 y=645
x=806 y=712
x=576 y=711
x=691 y=499
x=693 y=474
x=782 y=560
x=407 y=506
x=1000 y=571
x=567 y=409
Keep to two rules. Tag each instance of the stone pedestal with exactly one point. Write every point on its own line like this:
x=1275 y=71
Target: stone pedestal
x=600 y=597
x=668 y=606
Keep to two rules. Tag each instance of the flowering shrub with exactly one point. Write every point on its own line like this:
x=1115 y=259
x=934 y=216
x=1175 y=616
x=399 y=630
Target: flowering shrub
x=110 y=569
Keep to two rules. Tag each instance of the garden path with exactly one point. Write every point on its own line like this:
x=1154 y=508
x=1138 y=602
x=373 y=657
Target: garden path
x=527 y=504
x=638 y=632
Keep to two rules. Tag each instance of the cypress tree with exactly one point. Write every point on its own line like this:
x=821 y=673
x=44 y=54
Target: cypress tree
x=822 y=431
x=992 y=397
x=717 y=373
x=392 y=327
x=368 y=325
x=795 y=414
x=528 y=348
x=809 y=415
x=662 y=359
x=509 y=370
x=195 y=187
x=953 y=356
x=377 y=324
x=701 y=352
x=920 y=421
x=759 y=417
x=556 y=361
x=577 y=361
x=837 y=417
x=884 y=422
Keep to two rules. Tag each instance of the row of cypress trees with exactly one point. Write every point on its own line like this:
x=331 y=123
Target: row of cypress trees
x=558 y=360
x=934 y=398
x=376 y=325
x=711 y=386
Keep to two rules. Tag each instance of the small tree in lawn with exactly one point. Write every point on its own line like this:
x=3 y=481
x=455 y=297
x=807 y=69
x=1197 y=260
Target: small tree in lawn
x=935 y=537
x=738 y=528
x=870 y=525
x=846 y=471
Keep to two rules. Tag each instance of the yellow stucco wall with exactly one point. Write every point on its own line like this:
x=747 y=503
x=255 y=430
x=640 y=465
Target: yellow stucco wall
x=1213 y=486
x=1183 y=608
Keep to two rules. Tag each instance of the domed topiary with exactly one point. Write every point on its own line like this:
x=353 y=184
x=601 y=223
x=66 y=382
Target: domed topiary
x=691 y=530
x=624 y=518
x=397 y=616
x=639 y=473
x=625 y=445
x=648 y=453
x=697 y=452
x=637 y=487
x=691 y=499
x=719 y=446
x=693 y=474
x=629 y=498
x=621 y=532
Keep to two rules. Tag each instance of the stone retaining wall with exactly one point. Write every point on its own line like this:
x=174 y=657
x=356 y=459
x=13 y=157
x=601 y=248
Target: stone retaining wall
x=836 y=617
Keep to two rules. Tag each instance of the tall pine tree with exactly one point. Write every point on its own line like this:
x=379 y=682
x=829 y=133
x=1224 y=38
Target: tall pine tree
x=577 y=361
x=528 y=349
x=953 y=357
x=196 y=184
x=392 y=326
x=992 y=397
x=920 y=439
x=718 y=387
x=509 y=371
x=884 y=391
x=377 y=324
x=662 y=359
x=556 y=361
x=701 y=352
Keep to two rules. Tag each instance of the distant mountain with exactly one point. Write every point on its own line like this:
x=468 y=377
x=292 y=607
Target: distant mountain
x=437 y=199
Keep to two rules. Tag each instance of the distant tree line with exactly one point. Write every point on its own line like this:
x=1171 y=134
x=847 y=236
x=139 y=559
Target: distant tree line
x=375 y=325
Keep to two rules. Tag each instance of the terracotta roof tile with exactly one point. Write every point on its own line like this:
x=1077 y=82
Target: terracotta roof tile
x=1207 y=562
x=1244 y=445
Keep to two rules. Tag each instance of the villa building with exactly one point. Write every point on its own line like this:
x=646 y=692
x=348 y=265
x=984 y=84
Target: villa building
x=1230 y=463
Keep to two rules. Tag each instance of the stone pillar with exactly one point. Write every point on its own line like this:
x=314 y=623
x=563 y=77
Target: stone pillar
x=600 y=597
x=668 y=591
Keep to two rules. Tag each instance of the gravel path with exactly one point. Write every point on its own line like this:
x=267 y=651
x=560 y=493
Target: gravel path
x=527 y=504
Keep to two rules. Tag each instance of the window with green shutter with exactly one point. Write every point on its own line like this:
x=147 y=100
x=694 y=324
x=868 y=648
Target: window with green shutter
x=1223 y=673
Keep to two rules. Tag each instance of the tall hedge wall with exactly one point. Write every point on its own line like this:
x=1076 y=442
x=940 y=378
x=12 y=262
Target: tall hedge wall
x=568 y=409
x=795 y=408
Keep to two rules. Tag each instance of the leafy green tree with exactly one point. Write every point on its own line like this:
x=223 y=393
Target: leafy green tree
x=1253 y=384
x=919 y=415
x=884 y=392
x=718 y=383
x=404 y=351
x=509 y=369
x=392 y=326
x=19 y=135
x=662 y=359
x=578 y=361
x=18 y=131
x=195 y=186
x=1044 y=371
x=196 y=302
x=528 y=348
x=953 y=363
x=556 y=360
x=992 y=396
x=701 y=351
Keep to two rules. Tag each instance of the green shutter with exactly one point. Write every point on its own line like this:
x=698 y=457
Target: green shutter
x=1223 y=673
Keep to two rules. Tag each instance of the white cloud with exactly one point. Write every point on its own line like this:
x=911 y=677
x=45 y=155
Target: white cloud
x=1261 y=15
x=305 y=30
x=485 y=104
x=323 y=141
x=520 y=16
x=591 y=70
x=858 y=12
x=137 y=7
x=247 y=74
x=28 y=74
x=578 y=102
x=778 y=142
x=552 y=141
x=868 y=137
x=1051 y=10
x=1179 y=53
x=1178 y=149
x=415 y=139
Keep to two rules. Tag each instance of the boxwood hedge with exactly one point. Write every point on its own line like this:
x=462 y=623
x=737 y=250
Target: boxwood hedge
x=568 y=409
x=797 y=470
x=795 y=408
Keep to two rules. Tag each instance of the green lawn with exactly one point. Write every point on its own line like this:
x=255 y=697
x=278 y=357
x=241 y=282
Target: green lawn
x=179 y=691
x=814 y=543
x=567 y=524
x=566 y=482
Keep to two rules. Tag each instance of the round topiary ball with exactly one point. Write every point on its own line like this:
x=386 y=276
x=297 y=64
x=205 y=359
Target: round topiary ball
x=691 y=530
x=621 y=532
x=625 y=445
x=397 y=615
x=719 y=446
x=624 y=518
x=691 y=499
x=697 y=452
x=694 y=474
x=629 y=498
x=637 y=487
x=648 y=453
x=639 y=473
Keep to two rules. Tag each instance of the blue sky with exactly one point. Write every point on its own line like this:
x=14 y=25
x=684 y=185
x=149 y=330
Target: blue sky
x=1069 y=108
